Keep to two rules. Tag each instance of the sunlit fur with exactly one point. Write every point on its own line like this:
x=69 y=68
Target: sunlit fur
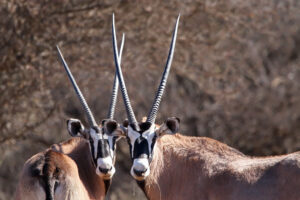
x=205 y=169
x=70 y=165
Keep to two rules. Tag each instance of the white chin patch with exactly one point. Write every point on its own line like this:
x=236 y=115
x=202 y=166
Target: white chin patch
x=105 y=163
x=142 y=165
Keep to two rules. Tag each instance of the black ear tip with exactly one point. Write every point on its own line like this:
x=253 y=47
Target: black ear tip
x=173 y=124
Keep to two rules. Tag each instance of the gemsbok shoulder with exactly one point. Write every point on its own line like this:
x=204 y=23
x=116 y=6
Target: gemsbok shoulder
x=170 y=166
x=79 y=168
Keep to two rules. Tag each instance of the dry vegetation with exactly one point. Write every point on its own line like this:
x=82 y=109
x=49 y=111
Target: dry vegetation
x=235 y=75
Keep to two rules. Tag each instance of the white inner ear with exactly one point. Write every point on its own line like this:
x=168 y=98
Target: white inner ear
x=75 y=121
x=111 y=145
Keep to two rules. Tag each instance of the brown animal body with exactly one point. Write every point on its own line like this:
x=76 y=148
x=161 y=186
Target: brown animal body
x=66 y=169
x=201 y=168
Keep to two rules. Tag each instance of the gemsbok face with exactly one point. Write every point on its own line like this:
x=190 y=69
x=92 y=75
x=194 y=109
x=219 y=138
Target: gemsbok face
x=142 y=136
x=102 y=145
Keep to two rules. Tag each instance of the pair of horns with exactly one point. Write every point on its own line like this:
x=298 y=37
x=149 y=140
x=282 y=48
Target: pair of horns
x=82 y=100
x=154 y=109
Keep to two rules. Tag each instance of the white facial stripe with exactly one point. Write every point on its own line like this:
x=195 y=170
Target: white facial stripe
x=104 y=136
x=98 y=136
x=149 y=135
x=111 y=145
x=133 y=135
x=95 y=137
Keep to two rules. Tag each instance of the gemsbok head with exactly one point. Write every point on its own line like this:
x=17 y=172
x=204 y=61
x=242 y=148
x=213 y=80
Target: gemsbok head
x=79 y=168
x=142 y=136
x=172 y=166
x=102 y=143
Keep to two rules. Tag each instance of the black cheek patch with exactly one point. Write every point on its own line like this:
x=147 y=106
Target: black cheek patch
x=103 y=148
x=130 y=146
x=140 y=147
x=114 y=139
x=153 y=142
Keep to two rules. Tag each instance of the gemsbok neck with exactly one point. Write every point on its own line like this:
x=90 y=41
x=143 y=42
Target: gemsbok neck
x=188 y=164
x=78 y=149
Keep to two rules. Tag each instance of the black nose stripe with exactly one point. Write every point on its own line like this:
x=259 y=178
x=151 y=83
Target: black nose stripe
x=103 y=148
x=92 y=150
x=140 y=147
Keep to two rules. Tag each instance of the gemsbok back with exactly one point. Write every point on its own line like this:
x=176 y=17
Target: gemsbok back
x=79 y=168
x=167 y=165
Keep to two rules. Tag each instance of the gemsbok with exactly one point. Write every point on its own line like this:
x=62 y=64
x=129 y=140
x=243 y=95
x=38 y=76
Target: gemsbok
x=168 y=165
x=79 y=168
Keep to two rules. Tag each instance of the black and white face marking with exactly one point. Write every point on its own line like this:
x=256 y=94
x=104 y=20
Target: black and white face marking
x=102 y=147
x=141 y=146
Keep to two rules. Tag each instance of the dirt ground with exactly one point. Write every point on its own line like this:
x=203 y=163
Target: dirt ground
x=235 y=76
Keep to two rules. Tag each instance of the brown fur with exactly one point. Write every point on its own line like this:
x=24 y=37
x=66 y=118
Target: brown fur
x=205 y=169
x=70 y=165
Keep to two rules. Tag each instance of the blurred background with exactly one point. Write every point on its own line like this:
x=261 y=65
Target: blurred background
x=235 y=75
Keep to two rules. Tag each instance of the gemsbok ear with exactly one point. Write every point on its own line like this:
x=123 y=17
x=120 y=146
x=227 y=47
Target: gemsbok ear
x=125 y=123
x=170 y=126
x=75 y=127
x=111 y=127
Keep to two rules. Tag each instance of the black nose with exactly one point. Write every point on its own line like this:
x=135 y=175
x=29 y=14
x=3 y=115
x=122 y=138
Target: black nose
x=104 y=171
x=138 y=172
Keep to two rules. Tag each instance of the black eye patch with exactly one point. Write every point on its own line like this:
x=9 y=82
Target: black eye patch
x=153 y=142
x=114 y=139
x=92 y=150
x=140 y=147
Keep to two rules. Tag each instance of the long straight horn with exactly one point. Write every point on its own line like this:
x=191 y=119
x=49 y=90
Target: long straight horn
x=129 y=111
x=153 y=112
x=83 y=102
x=114 y=94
